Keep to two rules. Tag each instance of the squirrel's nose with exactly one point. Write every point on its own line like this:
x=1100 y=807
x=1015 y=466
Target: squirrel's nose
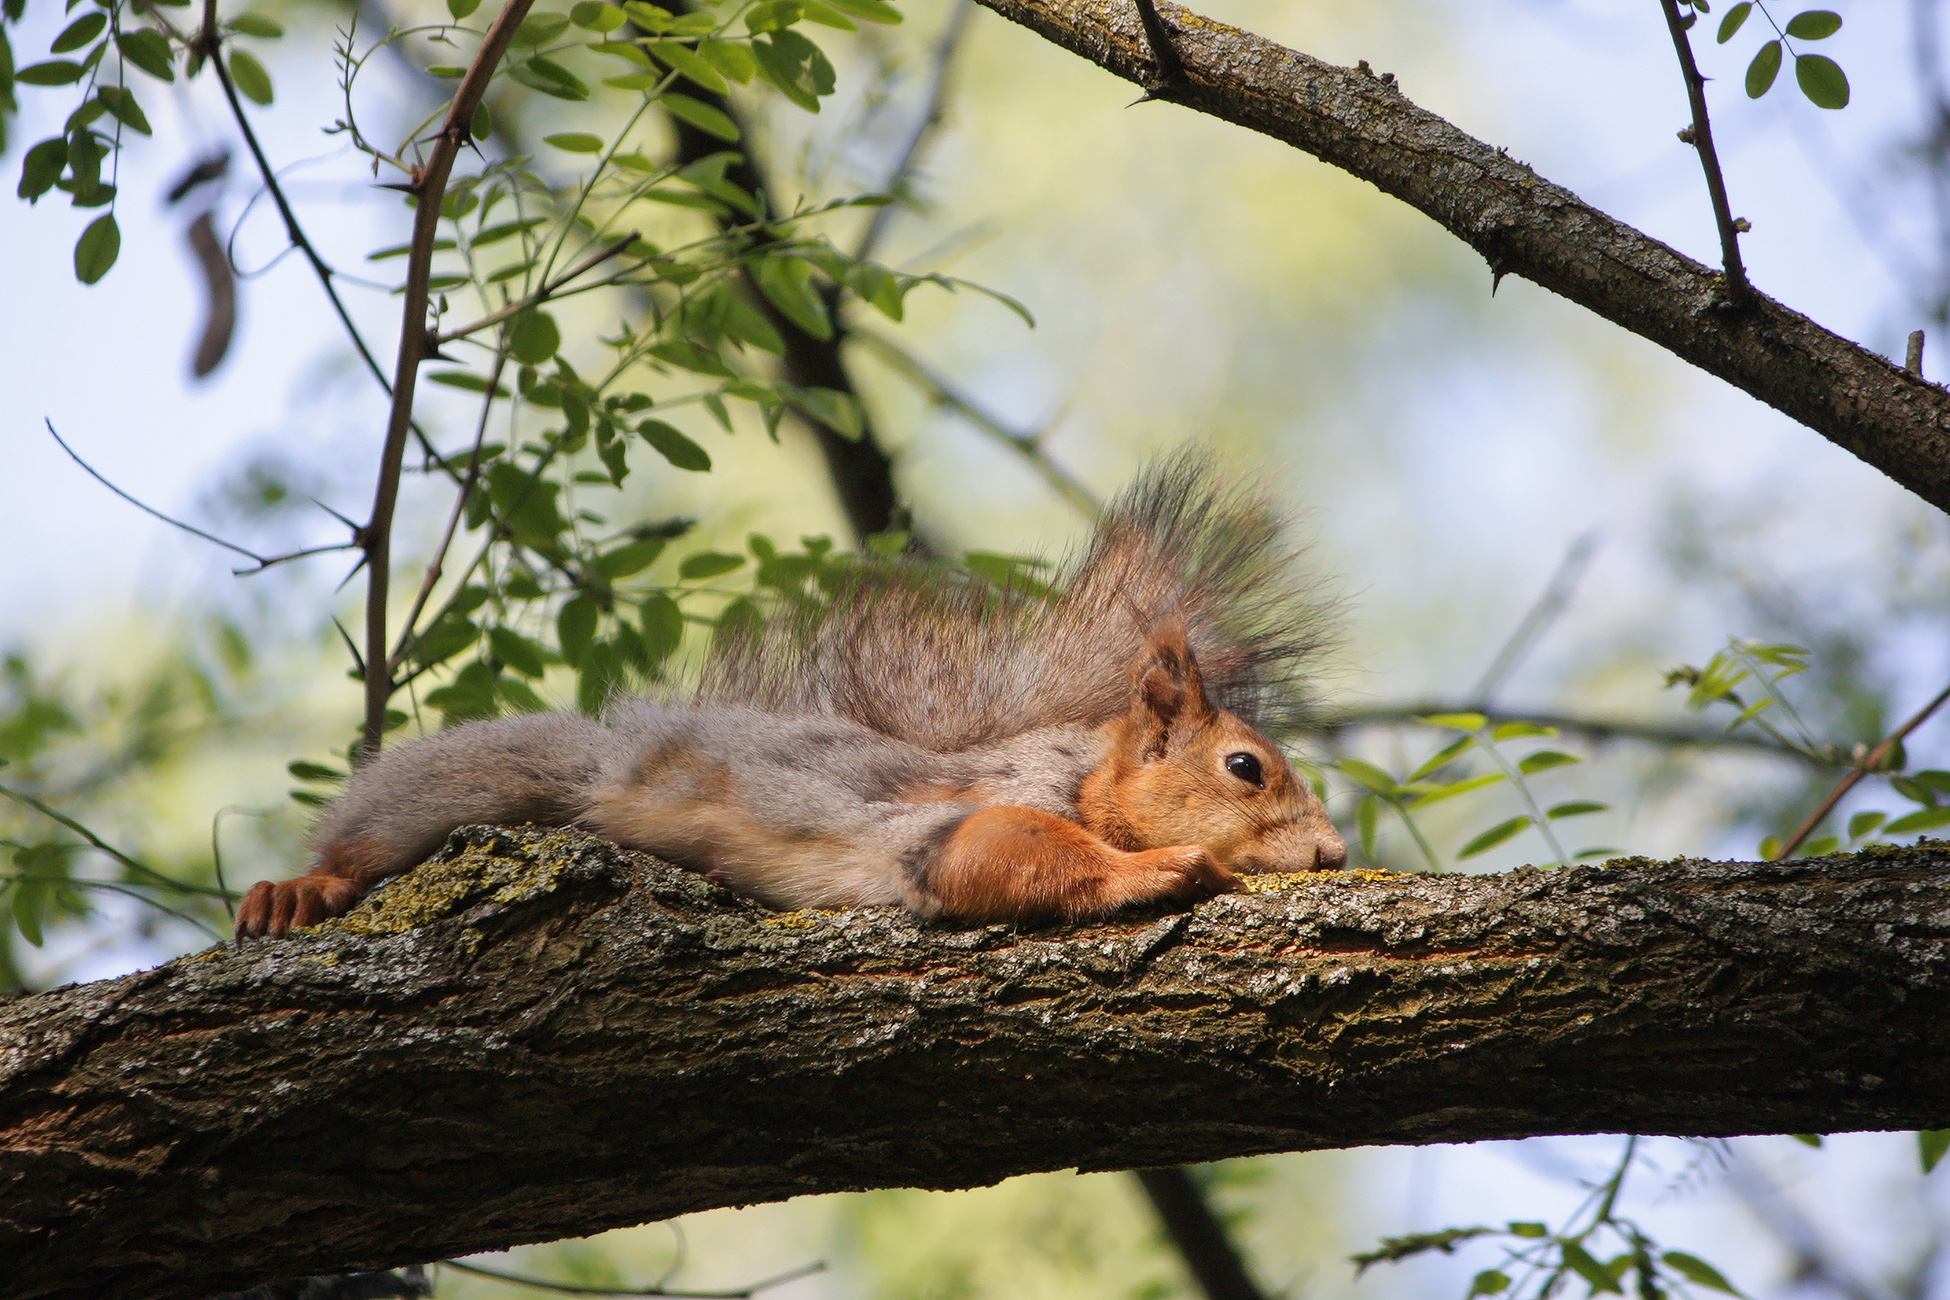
x=1330 y=850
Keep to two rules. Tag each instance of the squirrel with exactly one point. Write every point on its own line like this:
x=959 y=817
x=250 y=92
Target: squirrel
x=969 y=750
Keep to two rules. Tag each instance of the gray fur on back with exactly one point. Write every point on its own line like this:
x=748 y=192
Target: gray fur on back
x=949 y=661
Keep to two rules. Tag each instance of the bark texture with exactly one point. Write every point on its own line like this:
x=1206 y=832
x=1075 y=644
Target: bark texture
x=1524 y=225
x=539 y=1035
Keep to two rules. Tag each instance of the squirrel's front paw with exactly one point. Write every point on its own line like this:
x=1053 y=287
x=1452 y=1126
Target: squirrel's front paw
x=274 y=908
x=1181 y=873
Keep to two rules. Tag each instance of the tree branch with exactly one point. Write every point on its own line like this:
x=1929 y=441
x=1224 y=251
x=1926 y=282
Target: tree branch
x=429 y=186
x=1524 y=225
x=540 y=1035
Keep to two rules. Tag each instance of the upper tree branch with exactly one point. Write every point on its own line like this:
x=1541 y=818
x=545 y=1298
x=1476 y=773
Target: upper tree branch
x=1524 y=225
x=540 y=1035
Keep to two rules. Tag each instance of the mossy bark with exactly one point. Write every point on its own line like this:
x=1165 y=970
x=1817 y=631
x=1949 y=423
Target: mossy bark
x=539 y=1035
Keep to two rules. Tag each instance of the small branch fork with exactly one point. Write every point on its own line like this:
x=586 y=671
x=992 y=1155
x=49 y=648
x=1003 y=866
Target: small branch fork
x=1700 y=136
x=1871 y=763
x=429 y=184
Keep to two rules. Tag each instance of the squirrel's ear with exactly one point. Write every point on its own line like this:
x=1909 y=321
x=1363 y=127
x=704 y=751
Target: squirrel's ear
x=1169 y=687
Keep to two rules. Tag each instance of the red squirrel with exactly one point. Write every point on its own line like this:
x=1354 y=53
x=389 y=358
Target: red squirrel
x=968 y=750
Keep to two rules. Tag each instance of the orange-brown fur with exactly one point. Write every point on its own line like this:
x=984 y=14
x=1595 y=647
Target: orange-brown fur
x=966 y=750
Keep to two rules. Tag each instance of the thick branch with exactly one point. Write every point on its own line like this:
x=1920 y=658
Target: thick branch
x=1524 y=225
x=540 y=1035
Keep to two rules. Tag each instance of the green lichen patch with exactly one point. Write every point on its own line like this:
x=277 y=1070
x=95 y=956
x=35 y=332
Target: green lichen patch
x=478 y=868
x=1274 y=881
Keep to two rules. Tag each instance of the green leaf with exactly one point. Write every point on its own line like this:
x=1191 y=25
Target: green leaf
x=461 y=8
x=78 y=33
x=663 y=626
x=795 y=66
x=1456 y=721
x=1525 y=1228
x=489 y=235
x=1576 y=808
x=651 y=18
x=690 y=63
x=575 y=629
x=1489 y=1282
x=549 y=77
x=874 y=11
x=1367 y=818
x=1369 y=775
x=771 y=16
x=1931 y=1143
x=1821 y=79
x=95 y=252
x=30 y=899
x=575 y=142
x=1762 y=71
x=1449 y=791
x=1731 y=22
x=817 y=11
x=708 y=564
x=42 y=167
x=1579 y=1261
x=700 y=115
x=467 y=382
x=788 y=283
x=539 y=28
x=470 y=695
x=1512 y=730
x=518 y=652
x=533 y=338
x=55 y=72
x=1923 y=819
x=1865 y=823
x=251 y=78
x=255 y=25
x=1696 y=1270
x=149 y=50
x=1492 y=837
x=1544 y=760
x=596 y=16
x=631 y=557
x=313 y=771
x=1819 y=848
x=730 y=58
x=836 y=410
x=519 y=695
x=1807 y=1139
x=1814 y=25
x=674 y=446
x=1442 y=757
x=120 y=102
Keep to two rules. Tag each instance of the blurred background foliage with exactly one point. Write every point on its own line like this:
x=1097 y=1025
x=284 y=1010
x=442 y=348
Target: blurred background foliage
x=1460 y=461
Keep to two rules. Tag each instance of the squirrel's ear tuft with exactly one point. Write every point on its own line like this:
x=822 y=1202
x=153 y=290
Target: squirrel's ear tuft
x=1168 y=685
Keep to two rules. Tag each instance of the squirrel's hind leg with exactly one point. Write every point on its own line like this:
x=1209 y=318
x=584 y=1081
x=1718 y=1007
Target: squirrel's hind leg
x=342 y=875
x=1023 y=864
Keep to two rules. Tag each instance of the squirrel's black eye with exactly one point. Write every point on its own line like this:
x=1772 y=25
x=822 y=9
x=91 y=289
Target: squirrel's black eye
x=1246 y=768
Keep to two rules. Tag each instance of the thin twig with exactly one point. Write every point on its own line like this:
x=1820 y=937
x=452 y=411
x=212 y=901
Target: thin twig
x=96 y=841
x=1601 y=729
x=1873 y=762
x=537 y=298
x=930 y=121
x=1702 y=140
x=1028 y=445
x=461 y=495
x=149 y=509
x=112 y=888
x=1549 y=606
x=429 y=185
x=565 y=1288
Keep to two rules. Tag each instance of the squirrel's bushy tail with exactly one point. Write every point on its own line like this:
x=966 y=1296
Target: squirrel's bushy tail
x=947 y=660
